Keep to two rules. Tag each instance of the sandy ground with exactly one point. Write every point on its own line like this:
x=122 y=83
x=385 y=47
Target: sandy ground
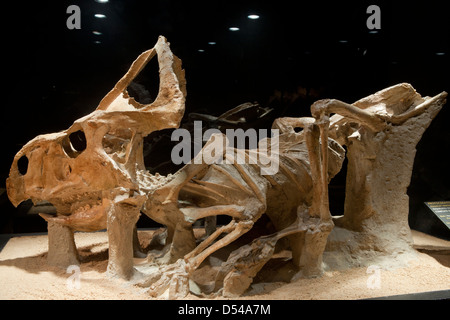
x=24 y=274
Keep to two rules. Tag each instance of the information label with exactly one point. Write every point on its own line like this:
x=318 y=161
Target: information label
x=442 y=210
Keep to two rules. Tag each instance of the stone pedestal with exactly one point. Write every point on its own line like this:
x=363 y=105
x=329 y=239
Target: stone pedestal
x=62 y=251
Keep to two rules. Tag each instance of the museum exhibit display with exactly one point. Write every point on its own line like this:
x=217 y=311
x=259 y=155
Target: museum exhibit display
x=267 y=200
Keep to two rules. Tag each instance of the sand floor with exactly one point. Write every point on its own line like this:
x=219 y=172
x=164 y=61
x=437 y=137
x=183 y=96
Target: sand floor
x=24 y=274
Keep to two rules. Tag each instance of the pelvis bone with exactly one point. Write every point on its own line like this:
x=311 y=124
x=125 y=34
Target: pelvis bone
x=97 y=164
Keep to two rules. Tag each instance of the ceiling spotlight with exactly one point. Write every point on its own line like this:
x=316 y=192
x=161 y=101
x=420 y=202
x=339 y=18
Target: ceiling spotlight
x=233 y=29
x=253 y=16
x=102 y=1
x=211 y=43
x=343 y=41
x=201 y=50
x=440 y=53
x=99 y=15
x=97 y=42
x=97 y=33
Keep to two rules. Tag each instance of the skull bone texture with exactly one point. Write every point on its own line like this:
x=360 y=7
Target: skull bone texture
x=101 y=154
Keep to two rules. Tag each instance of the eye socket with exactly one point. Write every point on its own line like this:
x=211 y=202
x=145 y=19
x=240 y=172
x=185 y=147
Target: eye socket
x=74 y=144
x=22 y=165
x=78 y=140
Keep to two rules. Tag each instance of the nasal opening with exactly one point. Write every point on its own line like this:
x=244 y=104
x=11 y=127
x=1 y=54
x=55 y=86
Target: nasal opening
x=22 y=165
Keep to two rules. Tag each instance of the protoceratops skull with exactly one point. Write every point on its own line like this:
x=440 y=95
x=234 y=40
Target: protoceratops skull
x=95 y=168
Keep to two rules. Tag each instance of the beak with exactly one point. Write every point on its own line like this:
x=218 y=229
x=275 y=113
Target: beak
x=15 y=190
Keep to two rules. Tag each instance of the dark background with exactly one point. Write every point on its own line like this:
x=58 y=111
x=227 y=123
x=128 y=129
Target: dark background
x=295 y=53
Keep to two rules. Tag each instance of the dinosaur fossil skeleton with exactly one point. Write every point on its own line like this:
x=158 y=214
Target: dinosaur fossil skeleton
x=106 y=185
